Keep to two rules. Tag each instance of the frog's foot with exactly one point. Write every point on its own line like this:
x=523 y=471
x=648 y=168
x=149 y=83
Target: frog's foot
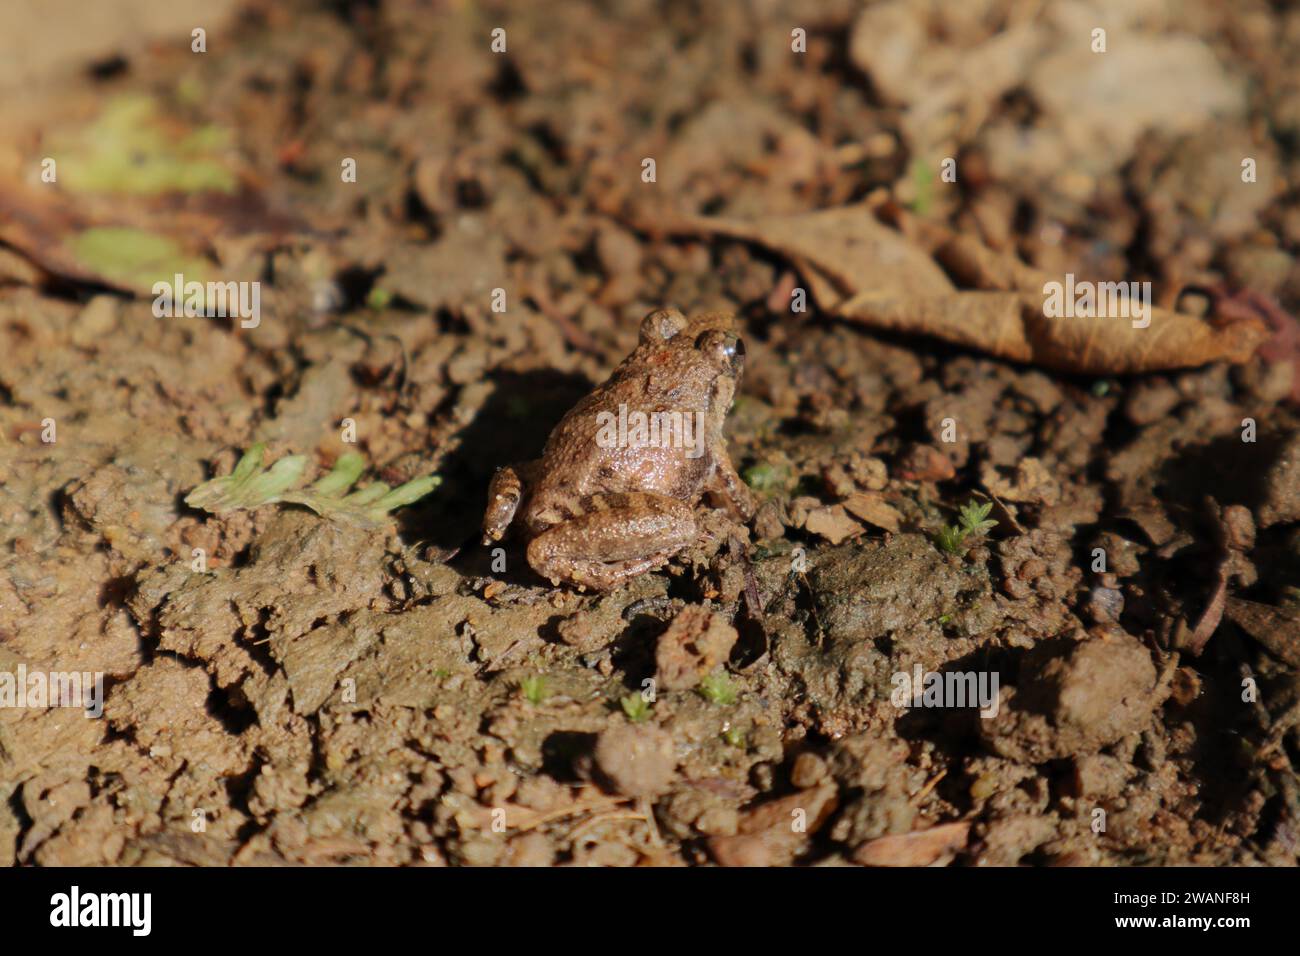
x=607 y=575
x=504 y=495
x=612 y=537
x=715 y=528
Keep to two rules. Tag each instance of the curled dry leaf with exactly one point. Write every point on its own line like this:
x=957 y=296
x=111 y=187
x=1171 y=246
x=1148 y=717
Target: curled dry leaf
x=840 y=252
x=1011 y=325
x=863 y=271
x=919 y=848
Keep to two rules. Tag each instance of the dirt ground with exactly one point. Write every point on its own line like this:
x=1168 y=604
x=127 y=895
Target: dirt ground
x=283 y=687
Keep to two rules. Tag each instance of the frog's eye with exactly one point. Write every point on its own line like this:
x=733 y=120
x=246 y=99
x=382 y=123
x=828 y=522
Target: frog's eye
x=725 y=348
x=661 y=325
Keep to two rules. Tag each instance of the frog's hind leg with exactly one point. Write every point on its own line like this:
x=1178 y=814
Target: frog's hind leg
x=609 y=538
x=504 y=494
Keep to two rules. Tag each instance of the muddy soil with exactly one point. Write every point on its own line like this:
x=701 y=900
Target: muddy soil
x=283 y=687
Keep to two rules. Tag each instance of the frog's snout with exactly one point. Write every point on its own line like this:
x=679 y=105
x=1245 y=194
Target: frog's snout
x=733 y=353
x=736 y=353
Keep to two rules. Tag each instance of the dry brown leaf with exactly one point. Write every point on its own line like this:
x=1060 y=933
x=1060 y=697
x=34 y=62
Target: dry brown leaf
x=833 y=523
x=140 y=195
x=921 y=848
x=44 y=226
x=864 y=271
x=1011 y=325
x=840 y=252
x=874 y=510
x=975 y=265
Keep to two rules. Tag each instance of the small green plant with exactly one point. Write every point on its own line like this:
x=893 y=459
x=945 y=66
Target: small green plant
x=762 y=477
x=922 y=179
x=718 y=689
x=972 y=521
x=251 y=486
x=534 y=689
x=636 y=707
x=734 y=737
x=949 y=539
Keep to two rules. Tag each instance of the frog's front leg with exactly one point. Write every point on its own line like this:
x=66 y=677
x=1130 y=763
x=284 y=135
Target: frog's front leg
x=731 y=490
x=504 y=494
x=612 y=537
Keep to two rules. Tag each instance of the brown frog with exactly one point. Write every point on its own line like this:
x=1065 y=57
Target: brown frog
x=615 y=490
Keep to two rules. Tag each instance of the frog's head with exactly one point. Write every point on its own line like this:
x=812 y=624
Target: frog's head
x=724 y=351
x=706 y=350
x=712 y=335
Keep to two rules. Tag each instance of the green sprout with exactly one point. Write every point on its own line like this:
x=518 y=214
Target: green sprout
x=251 y=486
x=718 y=689
x=636 y=707
x=734 y=737
x=949 y=539
x=922 y=179
x=762 y=477
x=972 y=521
x=534 y=689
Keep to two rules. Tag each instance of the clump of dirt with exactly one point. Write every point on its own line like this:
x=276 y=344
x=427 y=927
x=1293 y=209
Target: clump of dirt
x=280 y=687
x=1078 y=698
